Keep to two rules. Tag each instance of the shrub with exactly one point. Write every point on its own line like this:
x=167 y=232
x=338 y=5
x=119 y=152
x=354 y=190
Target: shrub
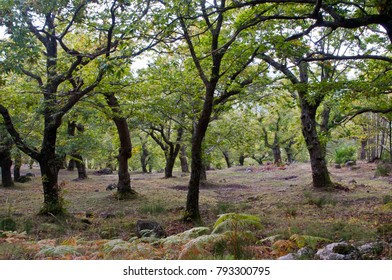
x=383 y=169
x=344 y=154
x=7 y=224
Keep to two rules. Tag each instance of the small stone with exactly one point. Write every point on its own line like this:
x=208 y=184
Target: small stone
x=111 y=187
x=350 y=163
x=338 y=166
x=107 y=215
x=104 y=171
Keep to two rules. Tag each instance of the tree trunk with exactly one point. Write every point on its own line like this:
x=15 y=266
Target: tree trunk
x=320 y=174
x=170 y=161
x=241 y=160
x=183 y=160
x=192 y=203
x=5 y=164
x=17 y=165
x=289 y=151
x=227 y=158
x=144 y=157
x=49 y=164
x=277 y=154
x=363 y=149
x=390 y=141
x=71 y=165
x=80 y=166
x=124 y=189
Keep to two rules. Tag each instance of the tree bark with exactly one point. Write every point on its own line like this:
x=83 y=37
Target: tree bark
x=49 y=163
x=241 y=160
x=80 y=166
x=192 y=204
x=226 y=155
x=171 y=149
x=289 y=151
x=124 y=189
x=320 y=174
x=17 y=165
x=71 y=164
x=183 y=160
x=5 y=164
x=277 y=154
x=144 y=157
x=77 y=159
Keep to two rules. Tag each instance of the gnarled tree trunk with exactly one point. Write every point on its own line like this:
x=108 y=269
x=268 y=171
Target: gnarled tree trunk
x=320 y=174
x=125 y=152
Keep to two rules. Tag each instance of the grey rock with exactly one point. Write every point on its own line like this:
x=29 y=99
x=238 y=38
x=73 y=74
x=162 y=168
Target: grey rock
x=372 y=250
x=146 y=228
x=289 y=257
x=111 y=187
x=306 y=252
x=338 y=166
x=350 y=163
x=338 y=251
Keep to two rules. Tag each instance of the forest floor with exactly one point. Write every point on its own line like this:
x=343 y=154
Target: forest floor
x=282 y=197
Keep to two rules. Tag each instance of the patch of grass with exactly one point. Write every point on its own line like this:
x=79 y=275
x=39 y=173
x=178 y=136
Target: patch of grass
x=156 y=207
x=385 y=231
x=319 y=201
x=383 y=169
x=291 y=212
x=225 y=207
x=386 y=199
x=9 y=251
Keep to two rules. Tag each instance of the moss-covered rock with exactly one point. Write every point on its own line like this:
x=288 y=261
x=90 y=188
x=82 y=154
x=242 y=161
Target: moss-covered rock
x=58 y=251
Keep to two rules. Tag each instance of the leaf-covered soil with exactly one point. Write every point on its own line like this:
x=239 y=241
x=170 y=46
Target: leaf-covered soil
x=360 y=210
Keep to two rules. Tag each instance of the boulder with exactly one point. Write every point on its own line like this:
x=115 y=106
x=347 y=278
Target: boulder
x=339 y=251
x=371 y=250
x=146 y=228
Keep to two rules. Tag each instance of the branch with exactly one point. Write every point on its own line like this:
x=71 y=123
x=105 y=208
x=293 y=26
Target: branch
x=78 y=95
x=32 y=152
x=221 y=99
x=65 y=32
x=193 y=52
x=362 y=111
x=159 y=142
x=282 y=68
x=32 y=75
x=347 y=57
